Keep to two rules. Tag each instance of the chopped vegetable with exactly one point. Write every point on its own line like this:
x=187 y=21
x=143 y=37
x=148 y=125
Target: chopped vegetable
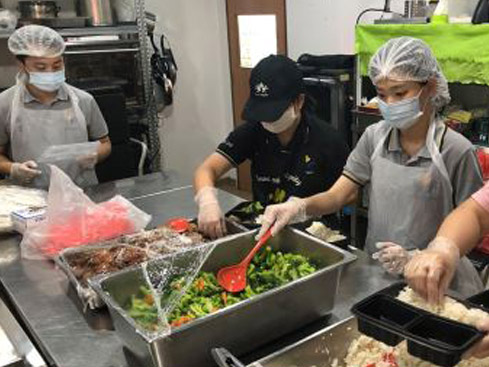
x=254 y=207
x=269 y=269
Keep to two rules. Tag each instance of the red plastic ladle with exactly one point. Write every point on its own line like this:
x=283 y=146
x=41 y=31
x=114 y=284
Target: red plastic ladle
x=233 y=278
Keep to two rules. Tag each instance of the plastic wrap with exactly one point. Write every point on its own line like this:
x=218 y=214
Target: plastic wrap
x=67 y=157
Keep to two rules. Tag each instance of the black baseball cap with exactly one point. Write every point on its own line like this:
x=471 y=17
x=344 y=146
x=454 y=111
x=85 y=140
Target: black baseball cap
x=274 y=83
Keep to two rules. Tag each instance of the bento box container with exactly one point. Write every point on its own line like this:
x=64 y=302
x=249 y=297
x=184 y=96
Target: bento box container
x=384 y=318
x=86 y=294
x=432 y=338
x=439 y=340
x=241 y=327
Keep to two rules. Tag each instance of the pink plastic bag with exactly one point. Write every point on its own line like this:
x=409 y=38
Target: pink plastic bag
x=72 y=220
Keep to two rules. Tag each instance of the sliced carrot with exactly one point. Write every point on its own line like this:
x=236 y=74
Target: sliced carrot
x=148 y=299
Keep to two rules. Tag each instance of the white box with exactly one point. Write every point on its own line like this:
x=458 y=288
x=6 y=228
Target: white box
x=21 y=218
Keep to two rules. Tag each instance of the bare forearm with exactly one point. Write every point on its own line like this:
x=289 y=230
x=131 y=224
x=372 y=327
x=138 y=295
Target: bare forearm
x=322 y=204
x=204 y=176
x=213 y=168
x=5 y=164
x=104 y=149
x=343 y=192
x=465 y=226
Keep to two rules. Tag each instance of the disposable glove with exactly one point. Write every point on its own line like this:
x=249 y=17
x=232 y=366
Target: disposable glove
x=481 y=349
x=393 y=257
x=210 y=218
x=278 y=216
x=24 y=172
x=430 y=272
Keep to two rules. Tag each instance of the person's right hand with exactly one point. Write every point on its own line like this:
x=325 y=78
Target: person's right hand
x=24 y=172
x=210 y=220
x=481 y=349
x=278 y=216
x=430 y=271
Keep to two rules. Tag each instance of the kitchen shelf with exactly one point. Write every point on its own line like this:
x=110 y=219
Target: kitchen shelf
x=89 y=31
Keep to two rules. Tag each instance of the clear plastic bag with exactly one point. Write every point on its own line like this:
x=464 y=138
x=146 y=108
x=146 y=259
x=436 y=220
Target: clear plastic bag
x=73 y=220
x=69 y=158
x=161 y=276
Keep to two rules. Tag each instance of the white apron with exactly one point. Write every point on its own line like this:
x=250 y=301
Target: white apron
x=408 y=204
x=32 y=131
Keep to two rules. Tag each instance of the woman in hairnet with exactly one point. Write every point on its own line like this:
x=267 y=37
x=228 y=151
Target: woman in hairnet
x=41 y=110
x=417 y=169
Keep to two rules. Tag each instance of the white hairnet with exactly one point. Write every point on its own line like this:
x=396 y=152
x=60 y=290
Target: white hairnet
x=36 y=40
x=409 y=59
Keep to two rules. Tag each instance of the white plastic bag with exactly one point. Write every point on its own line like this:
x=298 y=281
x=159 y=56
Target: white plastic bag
x=72 y=220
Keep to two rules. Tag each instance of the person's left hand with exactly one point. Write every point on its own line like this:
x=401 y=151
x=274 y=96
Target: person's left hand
x=392 y=256
x=88 y=161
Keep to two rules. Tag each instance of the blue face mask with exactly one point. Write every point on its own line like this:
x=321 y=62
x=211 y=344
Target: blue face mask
x=47 y=81
x=402 y=114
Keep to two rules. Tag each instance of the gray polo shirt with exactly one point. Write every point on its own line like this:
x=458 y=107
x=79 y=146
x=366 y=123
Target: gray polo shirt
x=96 y=126
x=457 y=152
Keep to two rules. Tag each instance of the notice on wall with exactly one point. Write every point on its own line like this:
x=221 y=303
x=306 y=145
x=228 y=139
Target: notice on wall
x=257 y=38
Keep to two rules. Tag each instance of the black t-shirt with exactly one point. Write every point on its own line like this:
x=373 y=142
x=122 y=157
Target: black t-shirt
x=309 y=164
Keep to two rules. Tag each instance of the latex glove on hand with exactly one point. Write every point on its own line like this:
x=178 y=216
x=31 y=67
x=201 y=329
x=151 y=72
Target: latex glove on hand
x=88 y=161
x=481 y=349
x=278 y=216
x=392 y=256
x=24 y=172
x=210 y=220
x=430 y=272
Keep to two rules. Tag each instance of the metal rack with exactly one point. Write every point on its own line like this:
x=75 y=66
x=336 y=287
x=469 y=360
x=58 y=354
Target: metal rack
x=151 y=111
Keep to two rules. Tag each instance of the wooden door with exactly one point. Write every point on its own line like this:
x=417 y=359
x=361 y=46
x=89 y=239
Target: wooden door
x=240 y=75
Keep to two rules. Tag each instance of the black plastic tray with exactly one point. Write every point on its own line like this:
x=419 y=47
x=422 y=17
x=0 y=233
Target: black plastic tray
x=481 y=300
x=329 y=222
x=246 y=220
x=432 y=338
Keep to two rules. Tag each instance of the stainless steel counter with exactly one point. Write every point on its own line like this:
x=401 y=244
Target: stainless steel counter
x=67 y=337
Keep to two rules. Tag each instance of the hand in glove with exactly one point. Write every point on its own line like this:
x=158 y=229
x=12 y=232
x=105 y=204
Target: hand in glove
x=88 y=161
x=24 y=172
x=481 y=349
x=290 y=212
x=210 y=219
x=393 y=257
x=430 y=272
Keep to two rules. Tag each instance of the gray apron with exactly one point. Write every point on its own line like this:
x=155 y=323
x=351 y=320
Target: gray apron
x=408 y=204
x=32 y=131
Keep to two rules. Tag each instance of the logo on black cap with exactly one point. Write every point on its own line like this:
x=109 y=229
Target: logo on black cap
x=261 y=90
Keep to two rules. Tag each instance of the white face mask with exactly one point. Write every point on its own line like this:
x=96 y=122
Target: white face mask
x=402 y=114
x=47 y=81
x=284 y=123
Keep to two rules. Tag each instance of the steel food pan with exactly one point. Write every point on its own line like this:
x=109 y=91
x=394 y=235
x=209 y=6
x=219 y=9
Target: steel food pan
x=326 y=348
x=243 y=326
